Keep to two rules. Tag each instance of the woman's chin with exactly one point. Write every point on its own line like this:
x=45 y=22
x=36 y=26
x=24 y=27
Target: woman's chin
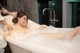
x=24 y=25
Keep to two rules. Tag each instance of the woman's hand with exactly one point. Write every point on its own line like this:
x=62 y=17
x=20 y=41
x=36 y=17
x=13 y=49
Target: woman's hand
x=4 y=10
x=71 y=34
x=76 y=31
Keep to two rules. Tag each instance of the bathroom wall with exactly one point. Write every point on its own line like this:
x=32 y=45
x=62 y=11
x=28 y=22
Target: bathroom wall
x=29 y=6
x=67 y=14
x=57 y=7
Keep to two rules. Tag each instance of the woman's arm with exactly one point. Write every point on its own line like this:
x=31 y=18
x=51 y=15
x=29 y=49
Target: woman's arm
x=9 y=27
x=14 y=14
x=55 y=35
x=69 y=35
x=5 y=23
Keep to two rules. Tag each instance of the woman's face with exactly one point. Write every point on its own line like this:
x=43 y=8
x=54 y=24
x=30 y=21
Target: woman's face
x=23 y=21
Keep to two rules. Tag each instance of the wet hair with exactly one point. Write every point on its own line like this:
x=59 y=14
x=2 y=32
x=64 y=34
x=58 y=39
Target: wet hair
x=19 y=15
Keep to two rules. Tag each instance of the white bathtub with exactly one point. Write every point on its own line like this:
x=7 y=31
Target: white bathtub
x=46 y=46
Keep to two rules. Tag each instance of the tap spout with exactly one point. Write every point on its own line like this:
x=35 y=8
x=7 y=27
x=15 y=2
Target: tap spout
x=45 y=10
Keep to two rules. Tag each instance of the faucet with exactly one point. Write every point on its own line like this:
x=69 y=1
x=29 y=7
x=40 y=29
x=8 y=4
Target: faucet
x=46 y=9
x=53 y=19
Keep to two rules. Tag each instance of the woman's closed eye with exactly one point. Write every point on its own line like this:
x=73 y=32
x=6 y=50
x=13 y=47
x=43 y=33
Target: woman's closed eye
x=25 y=18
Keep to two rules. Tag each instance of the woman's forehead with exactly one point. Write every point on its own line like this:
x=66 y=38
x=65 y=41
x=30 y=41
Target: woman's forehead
x=25 y=16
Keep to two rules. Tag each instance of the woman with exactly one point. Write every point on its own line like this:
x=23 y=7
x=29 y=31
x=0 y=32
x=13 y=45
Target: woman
x=21 y=27
x=21 y=32
x=21 y=21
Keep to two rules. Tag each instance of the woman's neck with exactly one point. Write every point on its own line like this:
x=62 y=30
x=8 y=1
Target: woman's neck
x=20 y=28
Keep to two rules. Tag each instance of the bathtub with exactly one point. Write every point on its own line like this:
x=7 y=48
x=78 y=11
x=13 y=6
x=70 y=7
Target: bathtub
x=46 y=46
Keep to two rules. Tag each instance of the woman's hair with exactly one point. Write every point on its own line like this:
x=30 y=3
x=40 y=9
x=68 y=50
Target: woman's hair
x=19 y=15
